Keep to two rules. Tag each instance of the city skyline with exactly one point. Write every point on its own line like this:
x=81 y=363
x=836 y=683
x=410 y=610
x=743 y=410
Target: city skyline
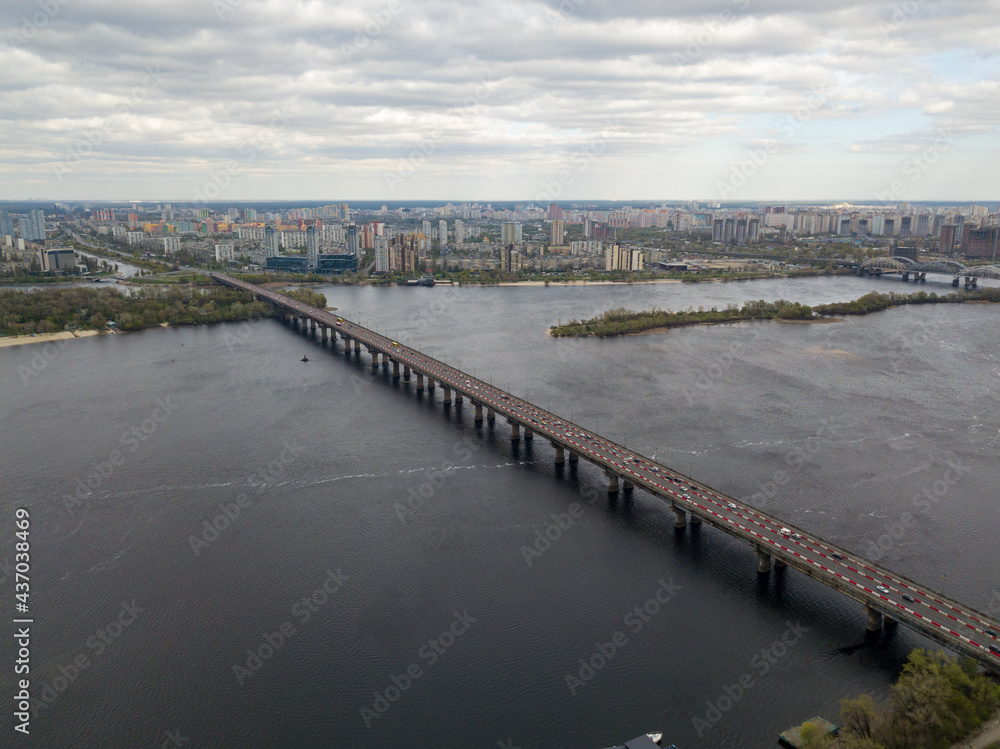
x=738 y=100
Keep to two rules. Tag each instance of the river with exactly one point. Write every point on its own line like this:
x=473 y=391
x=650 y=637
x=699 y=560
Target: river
x=383 y=573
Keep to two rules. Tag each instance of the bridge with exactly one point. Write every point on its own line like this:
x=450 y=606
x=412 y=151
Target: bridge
x=887 y=598
x=908 y=267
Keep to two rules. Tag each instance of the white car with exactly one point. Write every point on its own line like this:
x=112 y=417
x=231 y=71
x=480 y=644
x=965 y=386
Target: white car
x=882 y=589
x=786 y=532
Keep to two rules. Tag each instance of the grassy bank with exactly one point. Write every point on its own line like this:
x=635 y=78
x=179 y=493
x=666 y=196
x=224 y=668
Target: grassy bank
x=628 y=322
x=52 y=310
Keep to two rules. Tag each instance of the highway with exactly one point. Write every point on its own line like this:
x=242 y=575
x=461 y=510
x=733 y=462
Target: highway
x=958 y=627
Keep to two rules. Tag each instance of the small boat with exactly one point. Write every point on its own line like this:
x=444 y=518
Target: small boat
x=304 y=358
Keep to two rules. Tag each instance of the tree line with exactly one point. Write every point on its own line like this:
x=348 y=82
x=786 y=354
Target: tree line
x=53 y=310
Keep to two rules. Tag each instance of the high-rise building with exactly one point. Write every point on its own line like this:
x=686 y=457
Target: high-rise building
x=33 y=226
x=225 y=252
x=905 y=226
x=459 y=231
x=353 y=241
x=948 y=239
x=271 y=240
x=6 y=225
x=312 y=245
x=345 y=212
x=442 y=232
x=171 y=245
x=890 y=228
x=558 y=232
x=381 y=255
x=510 y=232
x=427 y=231
x=510 y=259
x=982 y=243
x=555 y=213
x=618 y=258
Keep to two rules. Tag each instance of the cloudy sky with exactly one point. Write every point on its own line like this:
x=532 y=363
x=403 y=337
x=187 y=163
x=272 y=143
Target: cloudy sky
x=441 y=99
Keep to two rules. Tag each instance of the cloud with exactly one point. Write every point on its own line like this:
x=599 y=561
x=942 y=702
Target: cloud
x=511 y=88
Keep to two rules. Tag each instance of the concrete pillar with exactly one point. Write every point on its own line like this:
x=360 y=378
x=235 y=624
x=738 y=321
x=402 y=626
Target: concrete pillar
x=374 y=360
x=446 y=395
x=889 y=622
x=613 y=486
x=324 y=332
x=528 y=435
x=763 y=560
x=574 y=457
x=680 y=517
x=406 y=372
x=357 y=346
x=779 y=563
x=628 y=485
x=312 y=327
x=303 y=323
x=560 y=454
x=395 y=369
x=695 y=520
x=515 y=431
x=491 y=415
x=420 y=381
x=479 y=413
x=459 y=398
x=874 y=619
x=431 y=384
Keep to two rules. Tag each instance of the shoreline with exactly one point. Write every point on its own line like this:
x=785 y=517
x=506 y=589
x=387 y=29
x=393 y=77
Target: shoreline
x=668 y=328
x=62 y=335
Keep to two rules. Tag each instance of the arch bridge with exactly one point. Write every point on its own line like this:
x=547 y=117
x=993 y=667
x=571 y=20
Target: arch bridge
x=907 y=267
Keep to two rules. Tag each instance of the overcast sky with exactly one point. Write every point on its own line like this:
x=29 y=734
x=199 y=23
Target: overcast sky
x=440 y=99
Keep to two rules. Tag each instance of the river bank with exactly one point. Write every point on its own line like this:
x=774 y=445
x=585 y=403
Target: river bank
x=62 y=335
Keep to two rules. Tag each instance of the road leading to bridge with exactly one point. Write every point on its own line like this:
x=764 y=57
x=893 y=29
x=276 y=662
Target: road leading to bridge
x=885 y=594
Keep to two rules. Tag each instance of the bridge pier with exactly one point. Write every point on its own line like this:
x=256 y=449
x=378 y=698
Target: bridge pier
x=479 y=412
x=420 y=381
x=431 y=384
x=491 y=415
x=459 y=398
x=560 y=454
x=528 y=434
x=906 y=277
x=695 y=520
x=445 y=395
x=874 y=619
x=323 y=332
x=778 y=563
x=613 y=485
x=954 y=282
x=888 y=622
x=374 y=361
x=357 y=347
x=406 y=373
x=680 y=516
x=515 y=431
x=574 y=457
x=763 y=561
x=395 y=369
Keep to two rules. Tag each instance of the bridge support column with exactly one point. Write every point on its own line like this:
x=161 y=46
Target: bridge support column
x=874 y=619
x=395 y=369
x=357 y=347
x=680 y=516
x=479 y=412
x=431 y=384
x=406 y=373
x=574 y=457
x=528 y=435
x=445 y=395
x=763 y=561
x=779 y=564
x=888 y=622
x=954 y=282
x=515 y=431
x=374 y=361
x=560 y=454
x=323 y=332
x=906 y=277
x=312 y=327
x=695 y=520
x=420 y=382
x=613 y=485
x=491 y=415
x=459 y=398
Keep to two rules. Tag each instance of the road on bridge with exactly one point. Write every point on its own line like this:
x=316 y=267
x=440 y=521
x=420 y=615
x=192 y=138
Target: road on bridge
x=948 y=622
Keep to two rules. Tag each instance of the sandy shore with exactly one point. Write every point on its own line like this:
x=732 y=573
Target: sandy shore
x=45 y=337
x=585 y=283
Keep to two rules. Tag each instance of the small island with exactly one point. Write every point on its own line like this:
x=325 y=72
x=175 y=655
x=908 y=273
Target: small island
x=621 y=321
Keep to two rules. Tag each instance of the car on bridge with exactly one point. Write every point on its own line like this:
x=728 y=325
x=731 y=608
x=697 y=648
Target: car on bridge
x=882 y=589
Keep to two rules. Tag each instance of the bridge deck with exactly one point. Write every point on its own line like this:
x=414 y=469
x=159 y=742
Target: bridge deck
x=946 y=621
